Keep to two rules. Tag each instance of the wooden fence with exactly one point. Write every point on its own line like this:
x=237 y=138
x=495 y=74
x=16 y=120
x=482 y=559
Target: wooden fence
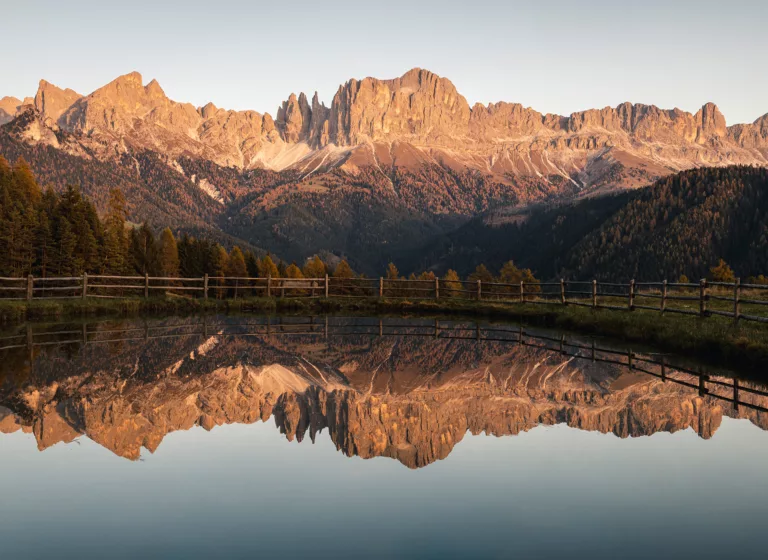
x=666 y=368
x=703 y=299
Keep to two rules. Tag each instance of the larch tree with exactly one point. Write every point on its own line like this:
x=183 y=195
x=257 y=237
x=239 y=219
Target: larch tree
x=343 y=270
x=315 y=268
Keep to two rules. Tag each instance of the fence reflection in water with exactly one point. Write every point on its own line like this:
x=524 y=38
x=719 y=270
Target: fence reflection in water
x=665 y=367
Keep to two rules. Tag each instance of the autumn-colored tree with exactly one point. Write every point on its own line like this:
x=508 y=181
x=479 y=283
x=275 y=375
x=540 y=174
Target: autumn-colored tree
x=481 y=273
x=219 y=266
x=451 y=285
x=510 y=274
x=236 y=267
x=168 y=254
x=392 y=272
x=721 y=272
x=760 y=280
x=315 y=268
x=683 y=279
x=293 y=271
x=343 y=270
x=268 y=268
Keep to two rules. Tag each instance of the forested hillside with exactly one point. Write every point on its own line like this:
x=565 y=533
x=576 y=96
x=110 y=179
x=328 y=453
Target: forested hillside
x=683 y=224
x=46 y=233
x=539 y=238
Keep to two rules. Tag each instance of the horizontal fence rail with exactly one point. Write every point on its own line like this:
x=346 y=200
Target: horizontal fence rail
x=708 y=383
x=747 y=302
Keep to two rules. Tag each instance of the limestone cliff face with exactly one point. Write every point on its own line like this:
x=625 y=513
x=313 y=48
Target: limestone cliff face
x=412 y=400
x=52 y=101
x=9 y=108
x=410 y=122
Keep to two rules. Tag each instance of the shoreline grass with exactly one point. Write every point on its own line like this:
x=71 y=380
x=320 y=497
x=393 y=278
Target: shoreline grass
x=715 y=338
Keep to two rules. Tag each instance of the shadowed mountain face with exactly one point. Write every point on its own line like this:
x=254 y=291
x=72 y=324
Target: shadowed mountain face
x=405 y=395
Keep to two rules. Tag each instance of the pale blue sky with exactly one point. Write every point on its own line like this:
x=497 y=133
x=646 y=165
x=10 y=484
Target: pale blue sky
x=554 y=56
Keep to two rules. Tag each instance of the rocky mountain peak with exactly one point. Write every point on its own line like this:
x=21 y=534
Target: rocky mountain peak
x=711 y=122
x=294 y=119
x=9 y=106
x=52 y=101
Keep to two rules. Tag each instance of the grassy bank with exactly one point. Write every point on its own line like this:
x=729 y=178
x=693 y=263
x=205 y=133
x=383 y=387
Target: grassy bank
x=713 y=338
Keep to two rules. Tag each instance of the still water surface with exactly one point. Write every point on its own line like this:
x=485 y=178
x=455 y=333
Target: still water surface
x=353 y=438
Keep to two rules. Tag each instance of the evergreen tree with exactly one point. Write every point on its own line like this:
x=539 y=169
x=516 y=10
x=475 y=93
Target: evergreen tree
x=251 y=264
x=144 y=250
x=481 y=273
x=236 y=267
x=168 y=254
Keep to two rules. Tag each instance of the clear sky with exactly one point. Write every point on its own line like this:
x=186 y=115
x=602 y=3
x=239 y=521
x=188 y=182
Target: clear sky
x=554 y=56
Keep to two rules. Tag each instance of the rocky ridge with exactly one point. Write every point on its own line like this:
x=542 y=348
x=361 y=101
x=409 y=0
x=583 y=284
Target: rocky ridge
x=419 y=119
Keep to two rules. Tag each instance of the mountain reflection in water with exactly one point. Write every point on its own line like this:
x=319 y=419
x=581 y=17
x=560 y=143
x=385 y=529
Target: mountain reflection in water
x=405 y=389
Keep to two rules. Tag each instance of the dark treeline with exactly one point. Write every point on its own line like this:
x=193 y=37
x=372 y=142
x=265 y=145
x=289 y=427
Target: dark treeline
x=45 y=234
x=682 y=225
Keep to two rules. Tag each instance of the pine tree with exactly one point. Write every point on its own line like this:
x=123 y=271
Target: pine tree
x=251 y=264
x=481 y=273
x=236 y=264
x=144 y=250
x=116 y=245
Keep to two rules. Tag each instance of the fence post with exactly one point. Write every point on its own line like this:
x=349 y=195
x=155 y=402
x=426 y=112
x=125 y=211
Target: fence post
x=85 y=285
x=326 y=287
x=737 y=300
x=562 y=291
x=30 y=287
x=437 y=288
x=381 y=286
x=146 y=285
x=664 y=296
x=269 y=285
x=594 y=294
x=631 y=302
x=702 y=297
x=205 y=286
x=479 y=290
x=522 y=291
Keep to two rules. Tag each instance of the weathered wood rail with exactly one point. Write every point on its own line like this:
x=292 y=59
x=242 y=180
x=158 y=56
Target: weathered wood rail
x=747 y=302
x=661 y=366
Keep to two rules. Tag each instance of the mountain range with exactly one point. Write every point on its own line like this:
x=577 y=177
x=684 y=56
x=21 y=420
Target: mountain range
x=410 y=398
x=389 y=161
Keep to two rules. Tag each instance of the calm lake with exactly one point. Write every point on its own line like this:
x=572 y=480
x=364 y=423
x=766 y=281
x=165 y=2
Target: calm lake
x=200 y=437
